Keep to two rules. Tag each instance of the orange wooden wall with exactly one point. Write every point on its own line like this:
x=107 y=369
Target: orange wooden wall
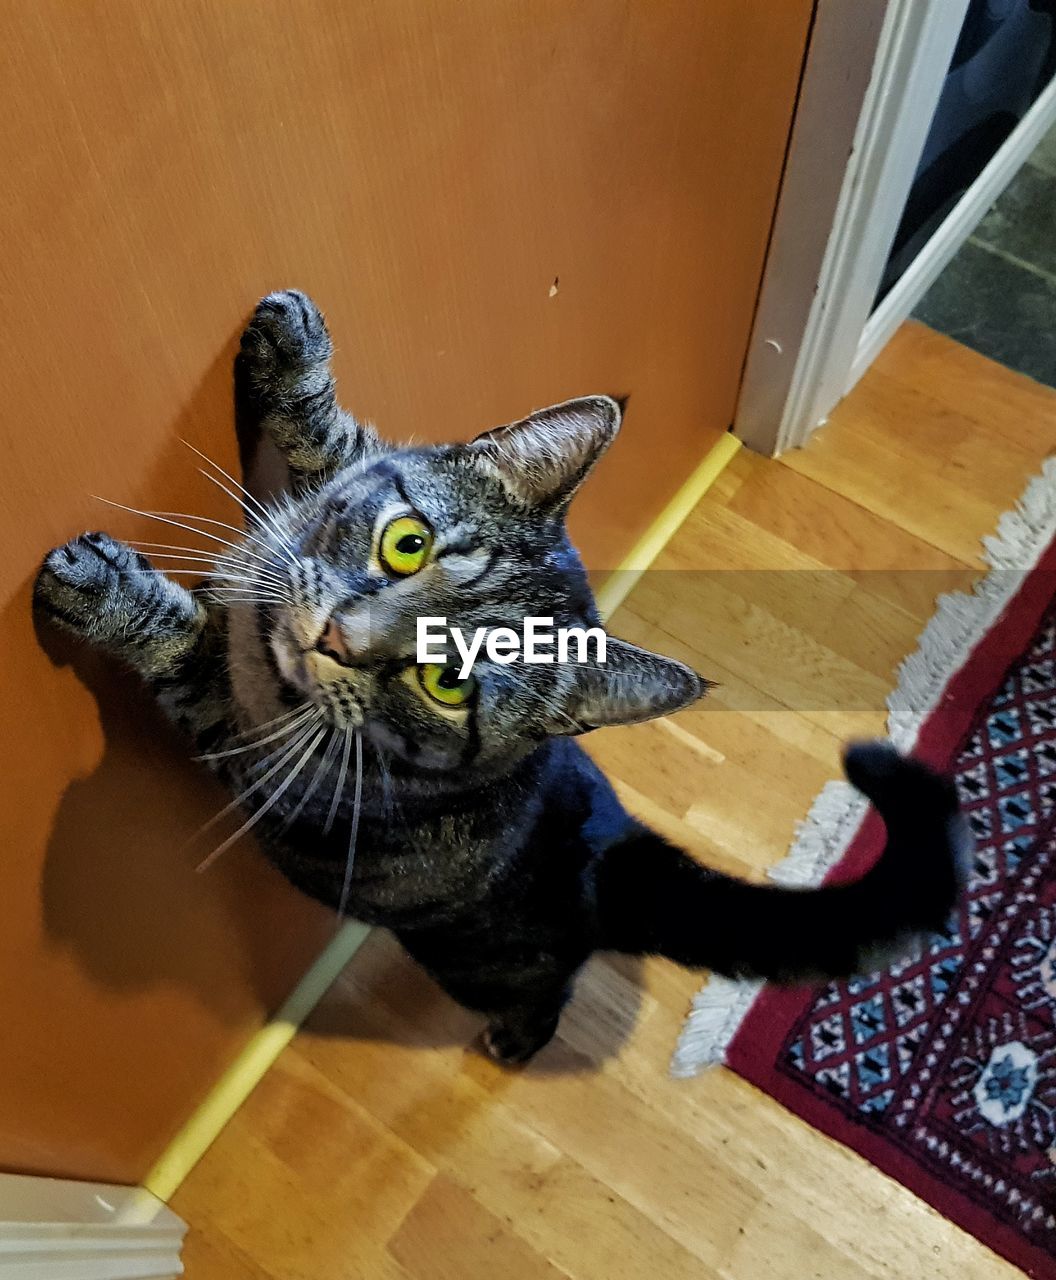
x=427 y=169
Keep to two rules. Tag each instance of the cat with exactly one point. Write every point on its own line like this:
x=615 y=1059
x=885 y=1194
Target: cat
x=473 y=824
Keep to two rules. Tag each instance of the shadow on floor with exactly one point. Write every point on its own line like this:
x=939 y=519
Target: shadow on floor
x=384 y=998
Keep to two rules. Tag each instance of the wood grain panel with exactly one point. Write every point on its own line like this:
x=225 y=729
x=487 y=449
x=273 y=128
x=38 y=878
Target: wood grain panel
x=500 y=203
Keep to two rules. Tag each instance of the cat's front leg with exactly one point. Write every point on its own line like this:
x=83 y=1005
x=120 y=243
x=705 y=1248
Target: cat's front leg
x=286 y=387
x=109 y=595
x=104 y=592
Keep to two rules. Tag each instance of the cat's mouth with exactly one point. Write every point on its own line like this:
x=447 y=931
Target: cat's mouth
x=338 y=688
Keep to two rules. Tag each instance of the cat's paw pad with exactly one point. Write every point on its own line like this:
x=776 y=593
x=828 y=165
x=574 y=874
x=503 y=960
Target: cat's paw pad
x=84 y=583
x=286 y=336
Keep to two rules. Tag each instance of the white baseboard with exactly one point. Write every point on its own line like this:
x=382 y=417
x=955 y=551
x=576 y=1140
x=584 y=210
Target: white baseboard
x=52 y=1229
x=952 y=233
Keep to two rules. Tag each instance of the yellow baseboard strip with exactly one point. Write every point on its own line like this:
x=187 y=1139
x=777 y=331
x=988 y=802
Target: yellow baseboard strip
x=615 y=589
x=246 y=1072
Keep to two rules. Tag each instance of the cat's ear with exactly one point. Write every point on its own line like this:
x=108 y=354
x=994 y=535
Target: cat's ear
x=543 y=459
x=631 y=685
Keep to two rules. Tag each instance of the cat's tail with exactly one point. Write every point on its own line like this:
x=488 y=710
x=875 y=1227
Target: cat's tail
x=654 y=899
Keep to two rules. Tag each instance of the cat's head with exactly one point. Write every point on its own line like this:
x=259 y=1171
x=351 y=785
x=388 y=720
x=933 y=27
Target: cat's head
x=473 y=533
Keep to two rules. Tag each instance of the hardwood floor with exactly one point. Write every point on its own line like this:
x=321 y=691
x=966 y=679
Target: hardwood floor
x=383 y=1145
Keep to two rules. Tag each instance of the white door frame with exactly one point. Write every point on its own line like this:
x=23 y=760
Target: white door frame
x=814 y=334
x=955 y=228
x=52 y=1229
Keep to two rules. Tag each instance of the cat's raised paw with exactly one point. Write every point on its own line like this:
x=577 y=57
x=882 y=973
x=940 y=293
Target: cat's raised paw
x=286 y=337
x=86 y=585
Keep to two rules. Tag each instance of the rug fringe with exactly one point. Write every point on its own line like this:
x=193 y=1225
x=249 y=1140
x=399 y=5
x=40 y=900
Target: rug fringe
x=718 y=1008
x=832 y=821
x=960 y=621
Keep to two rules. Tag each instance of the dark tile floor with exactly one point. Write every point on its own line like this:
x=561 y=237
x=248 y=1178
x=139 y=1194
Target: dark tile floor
x=998 y=294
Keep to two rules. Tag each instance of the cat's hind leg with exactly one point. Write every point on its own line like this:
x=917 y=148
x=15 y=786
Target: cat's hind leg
x=521 y=990
x=285 y=385
x=516 y=1033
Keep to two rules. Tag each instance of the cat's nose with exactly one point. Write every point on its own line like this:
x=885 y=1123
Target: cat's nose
x=332 y=643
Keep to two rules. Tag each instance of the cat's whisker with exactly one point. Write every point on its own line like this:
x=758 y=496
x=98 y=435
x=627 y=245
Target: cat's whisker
x=238 y=602
x=237 y=582
x=249 y=512
x=231 y=601
x=254 y=587
x=204 y=565
x=284 y=753
x=233 y=582
x=269 y=516
x=385 y=778
x=183 y=553
x=163 y=518
x=222 y=524
x=261 y=728
x=250 y=515
x=254 y=579
x=178 y=546
x=340 y=785
x=302 y=730
x=353 y=833
x=322 y=769
x=257 y=583
x=268 y=804
x=242 y=553
x=262 y=518
x=283 y=731
x=248 y=576
x=243 y=591
x=228 y=601
x=239 y=591
x=218 y=563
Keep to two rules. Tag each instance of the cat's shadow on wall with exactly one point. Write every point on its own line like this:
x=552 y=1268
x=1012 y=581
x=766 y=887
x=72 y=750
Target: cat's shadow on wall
x=118 y=887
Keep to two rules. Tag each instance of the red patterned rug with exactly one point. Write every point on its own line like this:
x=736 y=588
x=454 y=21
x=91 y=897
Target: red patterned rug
x=942 y=1070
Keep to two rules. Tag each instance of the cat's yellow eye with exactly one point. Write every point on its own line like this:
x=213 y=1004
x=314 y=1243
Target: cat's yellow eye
x=443 y=684
x=405 y=545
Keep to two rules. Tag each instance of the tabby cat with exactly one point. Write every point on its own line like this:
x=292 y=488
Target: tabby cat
x=461 y=813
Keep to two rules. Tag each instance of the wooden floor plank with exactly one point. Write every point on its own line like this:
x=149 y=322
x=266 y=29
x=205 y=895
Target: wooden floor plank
x=448 y=1235
x=382 y=1145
